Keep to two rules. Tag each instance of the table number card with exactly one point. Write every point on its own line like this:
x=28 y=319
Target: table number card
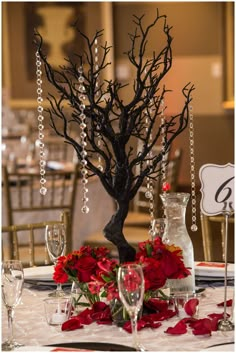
x=217 y=188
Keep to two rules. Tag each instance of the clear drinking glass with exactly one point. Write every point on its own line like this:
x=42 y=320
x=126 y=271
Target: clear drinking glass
x=12 y=286
x=131 y=291
x=55 y=238
x=57 y=310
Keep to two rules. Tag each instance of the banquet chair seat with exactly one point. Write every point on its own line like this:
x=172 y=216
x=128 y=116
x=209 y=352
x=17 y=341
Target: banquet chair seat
x=23 y=243
x=212 y=226
x=22 y=194
x=139 y=215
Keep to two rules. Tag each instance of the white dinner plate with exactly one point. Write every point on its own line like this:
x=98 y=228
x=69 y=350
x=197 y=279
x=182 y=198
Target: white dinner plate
x=48 y=349
x=213 y=269
x=39 y=273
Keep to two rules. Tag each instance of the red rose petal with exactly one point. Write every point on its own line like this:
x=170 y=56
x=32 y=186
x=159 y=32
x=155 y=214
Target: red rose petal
x=179 y=329
x=85 y=316
x=72 y=324
x=157 y=304
x=191 y=306
x=214 y=324
x=164 y=315
x=154 y=324
x=201 y=327
x=217 y=316
x=228 y=303
x=104 y=322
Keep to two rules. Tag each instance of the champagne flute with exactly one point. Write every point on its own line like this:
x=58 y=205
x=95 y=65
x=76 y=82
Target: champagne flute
x=12 y=285
x=131 y=291
x=55 y=242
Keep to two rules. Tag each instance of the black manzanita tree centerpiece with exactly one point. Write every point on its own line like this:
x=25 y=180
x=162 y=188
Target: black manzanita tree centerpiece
x=117 y=122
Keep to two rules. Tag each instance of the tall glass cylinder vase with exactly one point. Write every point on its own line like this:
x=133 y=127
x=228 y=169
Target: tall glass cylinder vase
x=176 y=233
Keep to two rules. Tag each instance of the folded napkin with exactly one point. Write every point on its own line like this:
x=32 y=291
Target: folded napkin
x=213 y=269
x=39 y=273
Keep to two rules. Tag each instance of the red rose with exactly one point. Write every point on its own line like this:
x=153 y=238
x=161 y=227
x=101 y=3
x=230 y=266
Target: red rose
x=107 y=265
x=59 y=275
x=86 y=267
x=101 y=252
x=153 y=275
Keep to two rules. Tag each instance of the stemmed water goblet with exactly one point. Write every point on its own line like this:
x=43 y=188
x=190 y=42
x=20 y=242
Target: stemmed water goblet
x=130 y=280
x=12 y=286
x=55 y=238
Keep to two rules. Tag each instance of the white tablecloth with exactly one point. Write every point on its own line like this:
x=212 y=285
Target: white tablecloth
x=31 y=328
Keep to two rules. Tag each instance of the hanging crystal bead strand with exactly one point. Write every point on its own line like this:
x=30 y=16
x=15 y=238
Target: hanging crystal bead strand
x=97 y=94
x=84 y=171
x=194 y=226
x=150 y=192
x=42 y=162
x=165 y=184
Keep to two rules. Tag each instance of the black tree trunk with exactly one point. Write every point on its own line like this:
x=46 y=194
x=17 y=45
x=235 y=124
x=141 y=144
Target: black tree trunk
x=113 y=232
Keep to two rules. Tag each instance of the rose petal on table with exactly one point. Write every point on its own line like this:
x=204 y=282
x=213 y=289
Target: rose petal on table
x=102 y=315
x=104 y=322
x=201 y=327
x=101 y=311
x=156 y=304
x=188 y=320
x=140 y=325
x=71 y=324
x=148 y=321
x=191 y=306
x=217 y=315
x=214 y=324
x=179 y=329
x=164 y=315
x=215 y=318
x=99 y=306
x=228 y=303
x=85 y=316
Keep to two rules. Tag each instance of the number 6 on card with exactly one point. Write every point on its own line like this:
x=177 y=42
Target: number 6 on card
x=217 y=188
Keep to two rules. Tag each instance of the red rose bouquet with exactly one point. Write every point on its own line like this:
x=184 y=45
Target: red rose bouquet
x=95 y=271
x=79 y=267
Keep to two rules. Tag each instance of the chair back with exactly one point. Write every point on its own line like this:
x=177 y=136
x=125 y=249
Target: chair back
x=57 y=150
x=211 y=227
x=22 y=194
x=20 y=242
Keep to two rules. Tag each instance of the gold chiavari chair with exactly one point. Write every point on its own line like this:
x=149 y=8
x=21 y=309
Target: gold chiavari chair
x=213 y=226
x=20 y=241
x=58 y=150
x=22 y=195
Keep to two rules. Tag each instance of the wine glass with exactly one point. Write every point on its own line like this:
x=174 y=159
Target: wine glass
x=131 y=290
x=55 y=242
x=12 y=285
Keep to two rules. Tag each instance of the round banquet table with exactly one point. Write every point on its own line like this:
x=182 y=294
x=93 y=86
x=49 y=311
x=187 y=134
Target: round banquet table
x=31 y=329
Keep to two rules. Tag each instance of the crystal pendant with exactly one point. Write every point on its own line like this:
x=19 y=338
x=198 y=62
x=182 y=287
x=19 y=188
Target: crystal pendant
x=43 y=190
x=85 y=209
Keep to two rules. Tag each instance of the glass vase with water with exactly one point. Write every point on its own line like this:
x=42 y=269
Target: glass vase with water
x=176 y=233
